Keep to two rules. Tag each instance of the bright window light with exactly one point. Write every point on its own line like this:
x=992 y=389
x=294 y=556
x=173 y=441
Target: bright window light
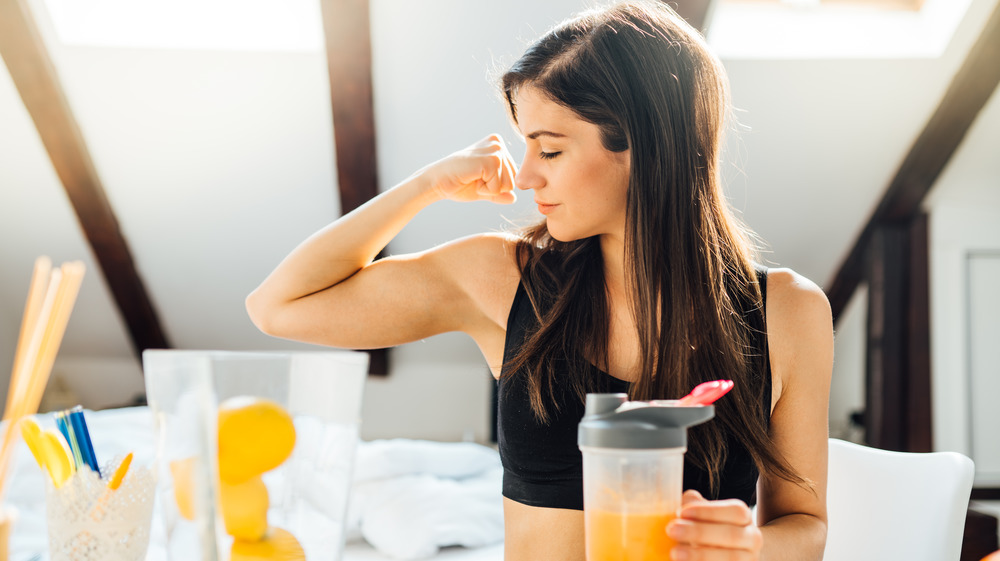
x=241 y=25
x=827 y=29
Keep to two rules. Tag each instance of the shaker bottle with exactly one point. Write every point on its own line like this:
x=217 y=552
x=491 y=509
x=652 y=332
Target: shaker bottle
x=633 y=461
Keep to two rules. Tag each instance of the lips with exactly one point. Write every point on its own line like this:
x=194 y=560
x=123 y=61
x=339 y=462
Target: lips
x=545 y=208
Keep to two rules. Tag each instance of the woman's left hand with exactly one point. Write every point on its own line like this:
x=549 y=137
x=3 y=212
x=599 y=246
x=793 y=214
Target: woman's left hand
x=714 y=530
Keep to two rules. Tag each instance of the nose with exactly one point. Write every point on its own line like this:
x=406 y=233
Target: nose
x=527 y=178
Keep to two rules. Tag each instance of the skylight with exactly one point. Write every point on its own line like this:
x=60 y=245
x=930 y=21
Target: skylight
x=826 y=29
x=242 y=25
x=739 y=29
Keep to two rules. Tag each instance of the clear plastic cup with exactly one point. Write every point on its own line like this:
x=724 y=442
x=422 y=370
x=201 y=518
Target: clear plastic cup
x=307 y=494
x=633 y=474
x=630 y=496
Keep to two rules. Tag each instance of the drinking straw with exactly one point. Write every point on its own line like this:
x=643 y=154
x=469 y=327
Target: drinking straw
x=69 y=433
x=43 y=325
x=79 y=424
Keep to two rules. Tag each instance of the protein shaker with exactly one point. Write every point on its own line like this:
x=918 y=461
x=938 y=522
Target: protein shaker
x=633 y=462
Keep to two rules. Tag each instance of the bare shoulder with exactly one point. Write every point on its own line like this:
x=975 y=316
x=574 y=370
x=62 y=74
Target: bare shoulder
x=483 y=267
x=792 y=298
x=799 y=326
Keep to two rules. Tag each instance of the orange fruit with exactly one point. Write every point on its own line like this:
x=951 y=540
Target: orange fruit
x=277 y=545
x=244 y=508
x=183 y=473
x=255 y=435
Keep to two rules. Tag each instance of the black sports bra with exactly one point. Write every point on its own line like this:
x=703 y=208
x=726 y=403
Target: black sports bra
x=542 y=463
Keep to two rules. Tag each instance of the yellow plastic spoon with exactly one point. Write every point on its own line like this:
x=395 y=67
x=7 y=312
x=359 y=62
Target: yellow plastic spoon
x=49 y=451
x=57 y=459
x=116 y=479
x=32 y=435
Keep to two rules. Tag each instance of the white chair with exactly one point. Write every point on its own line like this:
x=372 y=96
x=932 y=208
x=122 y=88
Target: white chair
x=885 y=505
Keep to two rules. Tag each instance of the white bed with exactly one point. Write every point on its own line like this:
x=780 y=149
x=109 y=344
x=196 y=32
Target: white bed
x=476 y=478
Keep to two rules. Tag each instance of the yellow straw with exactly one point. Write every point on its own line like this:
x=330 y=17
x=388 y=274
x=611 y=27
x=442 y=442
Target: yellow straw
x=36 y=353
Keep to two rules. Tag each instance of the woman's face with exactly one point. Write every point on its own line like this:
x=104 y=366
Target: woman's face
x=579 y=185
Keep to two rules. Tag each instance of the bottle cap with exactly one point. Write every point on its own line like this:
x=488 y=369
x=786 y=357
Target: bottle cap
x=611 y=421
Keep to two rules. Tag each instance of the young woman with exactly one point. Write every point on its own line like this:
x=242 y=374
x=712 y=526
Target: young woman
x=639 y=279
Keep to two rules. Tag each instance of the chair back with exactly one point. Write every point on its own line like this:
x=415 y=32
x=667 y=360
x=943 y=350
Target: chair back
x=895 y=505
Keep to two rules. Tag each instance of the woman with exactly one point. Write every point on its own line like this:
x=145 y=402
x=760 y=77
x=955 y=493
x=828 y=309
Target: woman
x=639 y=279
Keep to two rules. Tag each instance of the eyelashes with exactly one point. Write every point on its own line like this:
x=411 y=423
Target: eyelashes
x=548 y=155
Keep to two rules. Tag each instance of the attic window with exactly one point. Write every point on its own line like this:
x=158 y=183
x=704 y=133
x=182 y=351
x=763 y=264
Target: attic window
x=834 y=29
x=906 y=5
x=215 y=25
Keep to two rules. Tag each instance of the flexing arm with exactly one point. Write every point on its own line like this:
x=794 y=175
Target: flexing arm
x=329 y=291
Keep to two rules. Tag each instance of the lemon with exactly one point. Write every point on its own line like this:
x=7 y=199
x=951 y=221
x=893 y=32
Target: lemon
x=277 y=545
x=244 y=509
x=183 y=473
x=255 y=435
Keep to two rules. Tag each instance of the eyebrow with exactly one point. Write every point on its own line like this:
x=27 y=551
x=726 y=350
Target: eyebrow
x=537 y=134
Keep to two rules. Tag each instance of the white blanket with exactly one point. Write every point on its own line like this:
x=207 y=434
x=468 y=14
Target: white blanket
x=409 y=498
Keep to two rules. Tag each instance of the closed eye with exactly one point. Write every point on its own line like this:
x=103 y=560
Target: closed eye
x=548 y=155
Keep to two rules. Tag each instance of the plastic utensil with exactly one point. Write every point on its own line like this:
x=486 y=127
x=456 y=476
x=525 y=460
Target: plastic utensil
x=706 y=393
x=57 y=458
x=66 y=428
x=32 y=435
x=79 y=423
x=49 y=451
x=116 y=479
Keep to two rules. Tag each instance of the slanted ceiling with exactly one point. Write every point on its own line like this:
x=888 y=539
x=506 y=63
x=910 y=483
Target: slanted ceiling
x=216 y=163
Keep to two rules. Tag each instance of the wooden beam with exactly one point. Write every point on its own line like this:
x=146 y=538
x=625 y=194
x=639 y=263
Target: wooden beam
x=885 y=380
x=969 y=91
x=985 y=494
x=346 y=24
x=37 y=82
x=898 y=372
x=919 y=413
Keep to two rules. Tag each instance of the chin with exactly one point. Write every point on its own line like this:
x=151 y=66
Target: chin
x=562 y=234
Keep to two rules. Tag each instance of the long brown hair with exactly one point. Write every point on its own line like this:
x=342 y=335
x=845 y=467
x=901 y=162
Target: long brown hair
x=647 y=79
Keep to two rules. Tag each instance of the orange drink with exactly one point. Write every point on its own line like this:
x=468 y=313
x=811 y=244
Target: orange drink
x=616 y=536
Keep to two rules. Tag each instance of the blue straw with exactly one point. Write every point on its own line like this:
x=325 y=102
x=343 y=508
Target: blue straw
x=66 y=428
x=79 y=424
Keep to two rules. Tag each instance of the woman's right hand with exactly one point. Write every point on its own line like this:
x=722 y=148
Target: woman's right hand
x=482 y=172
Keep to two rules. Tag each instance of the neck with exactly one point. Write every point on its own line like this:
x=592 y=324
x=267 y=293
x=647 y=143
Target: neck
x=613 y=254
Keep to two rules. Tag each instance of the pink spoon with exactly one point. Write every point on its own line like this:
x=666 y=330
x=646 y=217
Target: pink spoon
x=706 y=393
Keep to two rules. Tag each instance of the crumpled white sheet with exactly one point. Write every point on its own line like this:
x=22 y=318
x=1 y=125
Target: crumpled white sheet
x=411 y=497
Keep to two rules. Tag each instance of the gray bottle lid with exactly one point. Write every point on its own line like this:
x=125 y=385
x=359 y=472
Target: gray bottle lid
x=611 y=421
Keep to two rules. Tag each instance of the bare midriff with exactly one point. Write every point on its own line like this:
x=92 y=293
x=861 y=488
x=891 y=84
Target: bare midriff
x=532 y=533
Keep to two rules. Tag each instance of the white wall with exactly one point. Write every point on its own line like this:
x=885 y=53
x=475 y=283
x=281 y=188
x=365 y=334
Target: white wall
x=847 y=388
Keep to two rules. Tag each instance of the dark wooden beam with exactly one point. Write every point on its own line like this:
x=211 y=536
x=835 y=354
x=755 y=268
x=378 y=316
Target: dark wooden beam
x=37 y=82
x=885 y=380
x=346 y=24
x=969 y=91
x=919 y=417
x=898 y=370
x=986 y=493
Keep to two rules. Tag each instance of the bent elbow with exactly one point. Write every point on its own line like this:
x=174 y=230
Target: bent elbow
x=260 y=312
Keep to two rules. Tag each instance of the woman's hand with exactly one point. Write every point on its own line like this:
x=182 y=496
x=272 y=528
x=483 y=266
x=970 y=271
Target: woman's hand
x=483 y=171
x=714 y=530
